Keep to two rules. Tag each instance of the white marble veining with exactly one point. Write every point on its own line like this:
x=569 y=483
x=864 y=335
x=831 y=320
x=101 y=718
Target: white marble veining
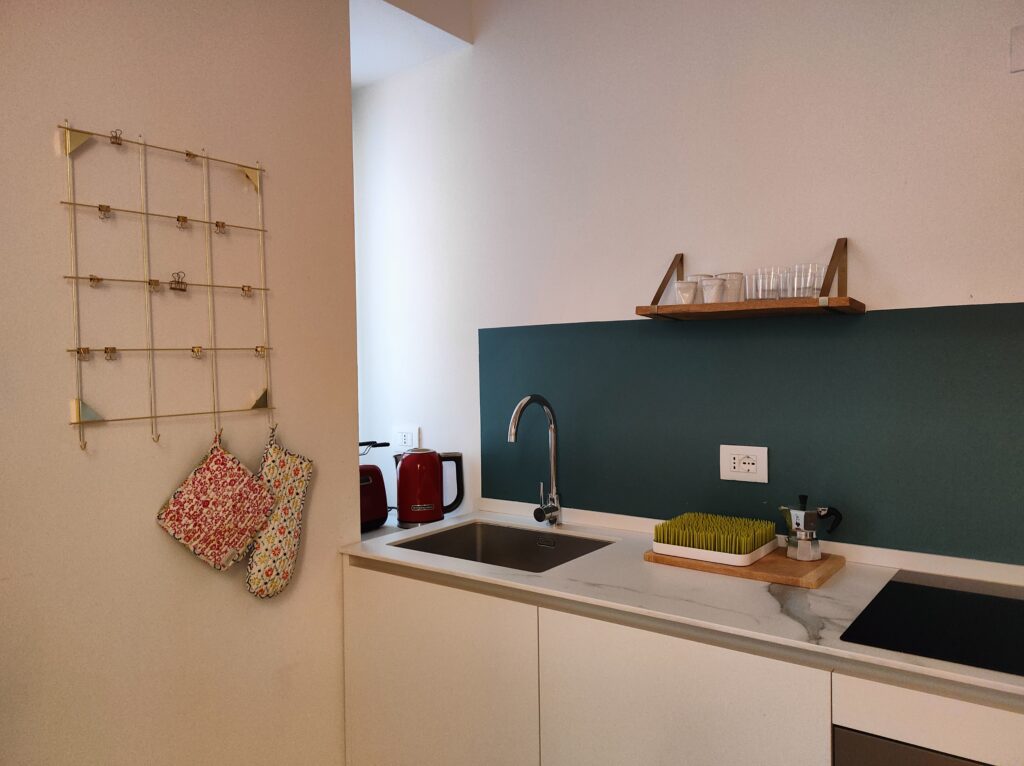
x=617 y=577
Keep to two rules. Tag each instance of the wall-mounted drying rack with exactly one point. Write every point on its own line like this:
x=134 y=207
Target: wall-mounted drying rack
x=82 y=414
x=110 y=352
x=176 y=283
x=182 y=221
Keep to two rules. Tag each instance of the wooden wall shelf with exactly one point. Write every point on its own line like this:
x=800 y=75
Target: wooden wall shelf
x=822 y=304
x=743 y=309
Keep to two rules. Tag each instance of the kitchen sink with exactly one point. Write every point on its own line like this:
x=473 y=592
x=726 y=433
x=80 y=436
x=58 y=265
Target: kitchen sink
x=529 y=550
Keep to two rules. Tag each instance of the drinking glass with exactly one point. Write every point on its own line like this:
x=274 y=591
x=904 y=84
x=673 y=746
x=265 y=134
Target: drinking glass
x=698 y=279
x=807 y=279
x=734 y=289
x=685 y=291
x=764 y=283
x=713 y=288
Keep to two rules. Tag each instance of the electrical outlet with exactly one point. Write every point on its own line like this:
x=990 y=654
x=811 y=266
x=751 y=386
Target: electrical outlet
x=406 y=437
x=743 y=463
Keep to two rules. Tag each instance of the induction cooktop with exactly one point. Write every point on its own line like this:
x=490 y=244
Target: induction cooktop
x=967 y=621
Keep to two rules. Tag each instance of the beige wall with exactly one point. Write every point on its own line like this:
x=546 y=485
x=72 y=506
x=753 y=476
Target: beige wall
x=453 y=16
x=549 y=174
x=117 y=646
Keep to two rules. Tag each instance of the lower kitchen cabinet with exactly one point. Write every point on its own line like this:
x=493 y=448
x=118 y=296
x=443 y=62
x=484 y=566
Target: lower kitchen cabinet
x=616 y=695
x=441 y=676
x=966 y=730
x=436 y=675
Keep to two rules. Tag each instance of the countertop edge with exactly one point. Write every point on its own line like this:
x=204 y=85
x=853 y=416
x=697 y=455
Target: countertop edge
x=821 y=657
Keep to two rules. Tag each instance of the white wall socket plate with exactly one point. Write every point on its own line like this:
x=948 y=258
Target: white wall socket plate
x=406 y=437
x=743 y=463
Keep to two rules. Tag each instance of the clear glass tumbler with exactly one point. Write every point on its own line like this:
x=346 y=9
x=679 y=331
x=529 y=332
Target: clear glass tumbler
x=764 y=283
x=713 y=289
x=735 y=289
x=807 y=279
x=698 y=278
x=685 y=292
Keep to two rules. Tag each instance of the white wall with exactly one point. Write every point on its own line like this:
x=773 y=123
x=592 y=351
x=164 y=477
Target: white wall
x=549 y=174
x=117 y=646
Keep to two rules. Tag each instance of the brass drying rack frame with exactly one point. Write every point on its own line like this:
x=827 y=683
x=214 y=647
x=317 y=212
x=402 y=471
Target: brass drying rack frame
x=95 y=280
x=181 y=220
x=81 y=414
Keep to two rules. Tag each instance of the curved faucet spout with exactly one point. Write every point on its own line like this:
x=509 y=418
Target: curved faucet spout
x=551 y=506
x=517 y=413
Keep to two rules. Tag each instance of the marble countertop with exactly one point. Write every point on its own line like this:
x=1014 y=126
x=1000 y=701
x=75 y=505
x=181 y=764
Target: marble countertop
x=617 y=577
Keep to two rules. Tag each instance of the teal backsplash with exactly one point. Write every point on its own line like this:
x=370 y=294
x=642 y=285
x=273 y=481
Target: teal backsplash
x=909 y=421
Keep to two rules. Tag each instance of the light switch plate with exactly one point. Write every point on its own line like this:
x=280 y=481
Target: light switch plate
x=738 y=463
x=1017 y=49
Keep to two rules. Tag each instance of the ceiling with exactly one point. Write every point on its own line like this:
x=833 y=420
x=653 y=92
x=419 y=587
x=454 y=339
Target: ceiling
x=386 y=40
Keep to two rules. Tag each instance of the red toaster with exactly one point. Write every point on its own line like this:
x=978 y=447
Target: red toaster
x=373 y=499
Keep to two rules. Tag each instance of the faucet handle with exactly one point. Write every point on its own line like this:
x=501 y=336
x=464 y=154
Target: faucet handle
x=546 y=511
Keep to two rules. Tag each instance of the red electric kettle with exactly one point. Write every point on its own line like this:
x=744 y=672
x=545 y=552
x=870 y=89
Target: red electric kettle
x=421 y=486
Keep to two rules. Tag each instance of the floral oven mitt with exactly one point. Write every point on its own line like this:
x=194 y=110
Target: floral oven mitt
x=286 y=474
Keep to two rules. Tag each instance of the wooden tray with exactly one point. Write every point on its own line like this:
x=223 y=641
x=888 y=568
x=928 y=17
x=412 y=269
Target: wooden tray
x=775 y=567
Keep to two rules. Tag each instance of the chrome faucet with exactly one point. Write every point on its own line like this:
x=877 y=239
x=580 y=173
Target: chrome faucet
x=550 y=509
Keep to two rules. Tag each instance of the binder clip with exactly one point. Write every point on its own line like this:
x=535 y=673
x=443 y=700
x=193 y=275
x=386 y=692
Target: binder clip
x=95 y=281
x=84 y=353
x=219 y=227
x=115 y=137
x=246 y=291
x=261 y=352
x=178 y=282
x=197 y=352
x=110 y=353
x=182 y=221
x=104 y=211
x=190 y=156
x=154 y=285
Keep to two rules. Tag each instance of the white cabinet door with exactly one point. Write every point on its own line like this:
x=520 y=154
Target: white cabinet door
x=616 y=695
x=436 y=675
x=963 y=729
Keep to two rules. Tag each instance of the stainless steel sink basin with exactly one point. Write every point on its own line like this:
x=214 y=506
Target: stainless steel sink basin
x=530 y=550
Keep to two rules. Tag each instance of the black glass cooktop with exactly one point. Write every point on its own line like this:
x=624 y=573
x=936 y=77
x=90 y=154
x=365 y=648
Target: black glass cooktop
x=966 y=621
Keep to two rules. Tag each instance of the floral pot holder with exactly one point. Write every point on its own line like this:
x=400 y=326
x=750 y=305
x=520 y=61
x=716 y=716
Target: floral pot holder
x=218 y=509
x=287 y=476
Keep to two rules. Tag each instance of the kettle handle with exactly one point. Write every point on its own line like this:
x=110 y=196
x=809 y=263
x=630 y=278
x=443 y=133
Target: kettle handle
x=460 y=489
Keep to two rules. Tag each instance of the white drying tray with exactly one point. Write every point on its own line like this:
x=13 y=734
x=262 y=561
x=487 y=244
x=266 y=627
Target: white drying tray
x=732 y=559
